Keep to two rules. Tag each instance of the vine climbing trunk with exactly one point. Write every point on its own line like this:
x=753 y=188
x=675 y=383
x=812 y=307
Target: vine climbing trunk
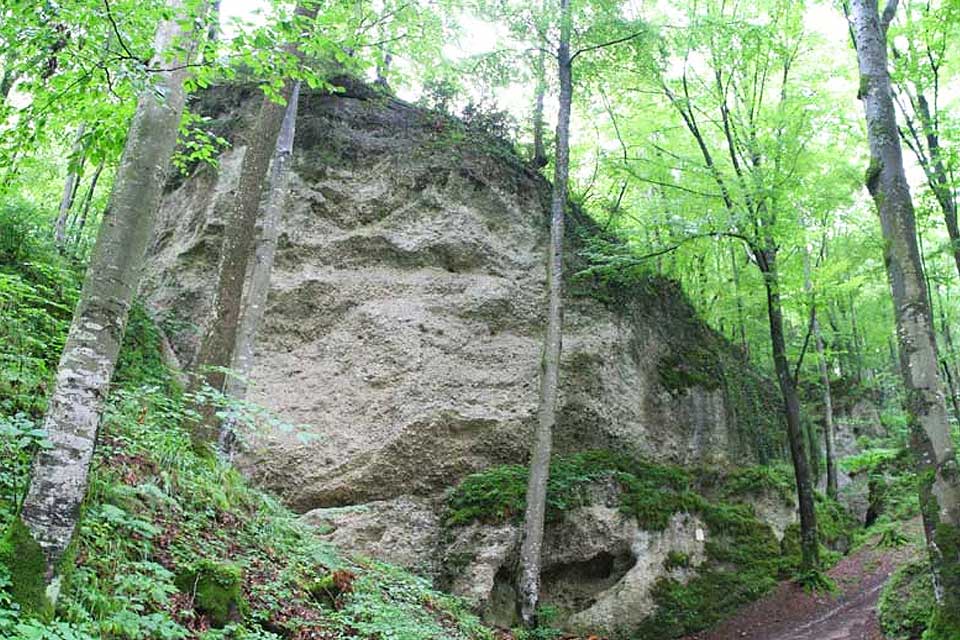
x=531 y=548
x=255 y=301
x=58 y=479
x=239 y=242
x=932 y=447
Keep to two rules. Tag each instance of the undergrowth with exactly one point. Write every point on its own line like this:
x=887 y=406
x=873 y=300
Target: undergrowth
x=172 y=544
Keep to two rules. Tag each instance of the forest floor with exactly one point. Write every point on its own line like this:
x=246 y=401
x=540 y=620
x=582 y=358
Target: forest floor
x=790 y=613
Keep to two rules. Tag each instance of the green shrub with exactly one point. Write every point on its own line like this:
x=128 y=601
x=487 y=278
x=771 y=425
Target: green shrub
x=906 y=602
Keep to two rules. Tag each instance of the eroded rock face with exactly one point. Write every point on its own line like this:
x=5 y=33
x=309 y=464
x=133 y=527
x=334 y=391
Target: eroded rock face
x=403 y=333
x=860 y=419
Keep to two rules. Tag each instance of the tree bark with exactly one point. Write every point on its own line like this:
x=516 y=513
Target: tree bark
x=809 y=545
x=829 y=437
x=741 y=325
x=536 y=505
x=59 y=475
x=254 y=303
x=539 y=147
x=216 y=347
x=81 y=220
x=933 y=450
x=69 y=190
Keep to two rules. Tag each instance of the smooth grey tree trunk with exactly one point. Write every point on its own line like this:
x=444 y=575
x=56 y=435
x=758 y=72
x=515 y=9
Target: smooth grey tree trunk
x=59 y=476
x=69 y=190
x=239 y=242
x=81 y=219
x=829 y=436
x=939 y=475
x=255 y=301
x=536 y=504
x=540 y=71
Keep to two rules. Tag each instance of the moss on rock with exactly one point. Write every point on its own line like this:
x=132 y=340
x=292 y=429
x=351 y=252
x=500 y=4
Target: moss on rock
x=23 y=559
x=217 y=590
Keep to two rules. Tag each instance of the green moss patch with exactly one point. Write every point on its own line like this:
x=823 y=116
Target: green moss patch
x=216 y=589
x=651 y=492
x=25 y=564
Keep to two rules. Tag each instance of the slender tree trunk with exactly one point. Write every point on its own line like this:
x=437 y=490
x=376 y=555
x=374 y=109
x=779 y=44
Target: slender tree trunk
x=539 y=147
x=856 y=340
x=809 y=545
x=69 y=190
x=930 y=430
x=59 y=475
x=239 y=239
x=741 y=325
x=81 y=221
x=534 y=516
x=829 y=432
x=946 y=362
x=828 y=428
x=255 y=301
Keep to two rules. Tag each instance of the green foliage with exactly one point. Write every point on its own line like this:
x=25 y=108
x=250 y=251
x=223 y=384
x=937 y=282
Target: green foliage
x=676 y=560
x=20 y=439
x=906 y=602
x=760 y=479
x=38 y=289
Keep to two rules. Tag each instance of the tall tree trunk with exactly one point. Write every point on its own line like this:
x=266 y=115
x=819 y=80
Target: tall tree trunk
x=829 y=432
x=741 y=325
x=531 y=547
x=59 y=476
x=539 y=146
x=809 y=545
x=239 y=239
x=829 y=437
x=69 y=189
x=933 y=450
x=81 y=220
x=948 y=360
x=856 y=340
x=254 y=303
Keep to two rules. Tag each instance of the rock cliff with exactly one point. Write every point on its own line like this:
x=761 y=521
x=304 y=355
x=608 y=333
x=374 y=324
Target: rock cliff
x=403 y=333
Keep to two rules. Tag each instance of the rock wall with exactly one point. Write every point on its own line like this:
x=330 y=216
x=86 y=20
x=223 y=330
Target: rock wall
x=403 y=334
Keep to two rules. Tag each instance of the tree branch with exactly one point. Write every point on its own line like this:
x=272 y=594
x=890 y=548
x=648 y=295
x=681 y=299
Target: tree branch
x=606 y=44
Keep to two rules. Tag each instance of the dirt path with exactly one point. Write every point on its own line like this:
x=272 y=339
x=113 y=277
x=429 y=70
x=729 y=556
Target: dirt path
x=789 y=613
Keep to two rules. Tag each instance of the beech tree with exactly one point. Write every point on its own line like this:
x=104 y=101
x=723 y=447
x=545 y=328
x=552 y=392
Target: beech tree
x=59 y=475
x=933 y=450
x=239 y=238
x=531 y=549
x=255 y=300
